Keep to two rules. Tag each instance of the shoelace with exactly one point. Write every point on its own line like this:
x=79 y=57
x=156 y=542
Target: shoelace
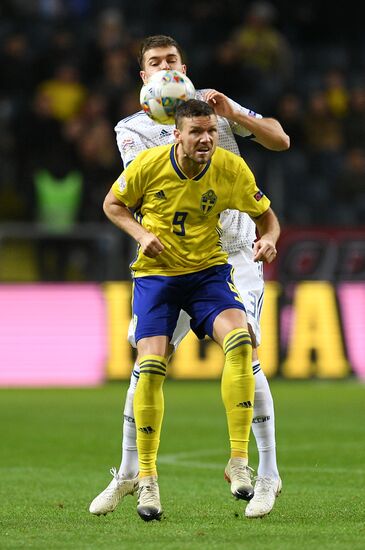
x=244 y=473
x=115 y=474
x=263 y=486
x=149 y=493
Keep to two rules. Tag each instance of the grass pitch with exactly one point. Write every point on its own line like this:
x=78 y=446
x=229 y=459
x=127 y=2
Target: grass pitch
x=57 y=445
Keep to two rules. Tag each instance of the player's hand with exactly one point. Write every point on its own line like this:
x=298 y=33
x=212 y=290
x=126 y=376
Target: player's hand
x=220 y=103
x=151 y=246
x=264 y=251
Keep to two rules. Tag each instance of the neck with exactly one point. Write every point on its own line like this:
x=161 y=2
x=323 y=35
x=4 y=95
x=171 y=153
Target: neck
x=187 y=165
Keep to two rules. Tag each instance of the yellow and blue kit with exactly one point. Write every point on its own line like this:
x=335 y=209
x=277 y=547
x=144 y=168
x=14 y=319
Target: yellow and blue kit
x=184 y=213
x=192 y=271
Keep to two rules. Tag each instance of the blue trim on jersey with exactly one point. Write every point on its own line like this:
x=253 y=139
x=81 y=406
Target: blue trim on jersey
x=178 y=170
x=175 y=164
x=203 y=171
x=132 y=116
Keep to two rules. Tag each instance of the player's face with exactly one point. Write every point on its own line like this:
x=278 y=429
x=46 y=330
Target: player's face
x=198 y=137
x=161 y=59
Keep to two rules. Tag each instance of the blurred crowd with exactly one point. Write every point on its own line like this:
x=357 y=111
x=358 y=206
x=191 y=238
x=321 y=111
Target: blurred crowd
x=69 y=74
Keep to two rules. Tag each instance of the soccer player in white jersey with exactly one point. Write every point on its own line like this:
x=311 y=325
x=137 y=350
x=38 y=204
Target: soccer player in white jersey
x=137 y=133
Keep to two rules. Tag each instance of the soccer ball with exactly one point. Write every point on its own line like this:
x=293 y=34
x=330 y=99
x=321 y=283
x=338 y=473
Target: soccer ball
x=164 y=91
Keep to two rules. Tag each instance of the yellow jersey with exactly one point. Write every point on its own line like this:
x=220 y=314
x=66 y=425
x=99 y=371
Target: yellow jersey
x=184 y=212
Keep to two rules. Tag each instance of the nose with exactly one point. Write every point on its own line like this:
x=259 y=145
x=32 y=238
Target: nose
x=164 y=66
x=205 y=137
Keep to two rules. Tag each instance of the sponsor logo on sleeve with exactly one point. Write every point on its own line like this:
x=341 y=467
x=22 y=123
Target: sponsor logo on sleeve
x=258 y=196
x=127 y=144
x=122 y=184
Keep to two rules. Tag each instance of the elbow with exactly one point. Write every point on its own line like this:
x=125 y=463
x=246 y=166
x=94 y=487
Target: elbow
x=106 y=207
x=278 y=144
x=286 y=142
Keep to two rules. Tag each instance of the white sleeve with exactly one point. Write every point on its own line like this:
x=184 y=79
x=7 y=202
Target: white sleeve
x=129 y=144
x=237 y=128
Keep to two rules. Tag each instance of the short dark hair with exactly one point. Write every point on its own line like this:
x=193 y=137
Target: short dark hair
x=157 y=41
x=192 y=108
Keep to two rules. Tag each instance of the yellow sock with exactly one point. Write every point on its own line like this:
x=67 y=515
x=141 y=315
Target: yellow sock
x=238 y=387
x=148 y=407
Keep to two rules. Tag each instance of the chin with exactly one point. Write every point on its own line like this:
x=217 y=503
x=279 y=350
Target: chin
x=203 y=159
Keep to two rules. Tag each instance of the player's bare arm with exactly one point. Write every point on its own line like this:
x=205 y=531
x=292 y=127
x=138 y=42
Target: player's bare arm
x=268 y=132
x=120 y=215
x=269 y=230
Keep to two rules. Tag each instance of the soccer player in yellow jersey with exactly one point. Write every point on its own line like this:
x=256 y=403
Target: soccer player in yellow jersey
x=178 y=193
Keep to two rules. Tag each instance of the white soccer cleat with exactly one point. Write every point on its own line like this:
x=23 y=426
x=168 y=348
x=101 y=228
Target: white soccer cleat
x=117 y=489
x=149 y=505
x=239 y=475
x=267 y=490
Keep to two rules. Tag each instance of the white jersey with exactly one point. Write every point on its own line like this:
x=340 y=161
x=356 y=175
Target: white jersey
x=138 y=132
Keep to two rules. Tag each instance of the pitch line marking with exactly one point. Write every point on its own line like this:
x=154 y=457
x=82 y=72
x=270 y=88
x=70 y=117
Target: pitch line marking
x=179 y=459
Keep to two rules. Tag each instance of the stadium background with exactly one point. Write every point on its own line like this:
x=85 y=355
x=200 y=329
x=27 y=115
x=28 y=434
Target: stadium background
x=69 y=73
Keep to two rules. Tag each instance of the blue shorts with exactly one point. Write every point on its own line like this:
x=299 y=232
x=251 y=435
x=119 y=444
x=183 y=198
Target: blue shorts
x=158 y=300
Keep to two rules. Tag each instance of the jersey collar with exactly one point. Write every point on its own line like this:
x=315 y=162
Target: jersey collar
x=178 y=170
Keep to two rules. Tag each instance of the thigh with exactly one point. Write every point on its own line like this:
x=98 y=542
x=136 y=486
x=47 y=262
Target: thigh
x=226 y=321
x=213 y=292
x=181 y=330
x=248 y=279
x=155 y=311
x=155 y=345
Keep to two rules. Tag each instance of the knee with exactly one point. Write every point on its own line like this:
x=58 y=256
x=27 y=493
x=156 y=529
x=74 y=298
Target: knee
x=238 y=343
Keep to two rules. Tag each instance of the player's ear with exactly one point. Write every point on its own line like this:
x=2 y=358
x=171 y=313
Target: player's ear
x=183 y=69
x=177 y=135
x=144 y=77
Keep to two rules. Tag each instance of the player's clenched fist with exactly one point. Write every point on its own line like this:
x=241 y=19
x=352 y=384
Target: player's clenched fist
x=264 y=251
x=150 y=245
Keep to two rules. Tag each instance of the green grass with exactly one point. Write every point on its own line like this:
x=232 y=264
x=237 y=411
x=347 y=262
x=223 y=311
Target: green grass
x=56 y=447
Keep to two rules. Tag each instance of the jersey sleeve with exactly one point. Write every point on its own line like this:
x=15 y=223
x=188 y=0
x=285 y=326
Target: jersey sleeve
x=246 y=196
x=237 y=128
x=129 y=144
x=128 y=188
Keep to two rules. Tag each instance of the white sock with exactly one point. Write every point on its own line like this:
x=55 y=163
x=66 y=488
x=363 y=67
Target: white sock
x=263 y=424
x=129 y=465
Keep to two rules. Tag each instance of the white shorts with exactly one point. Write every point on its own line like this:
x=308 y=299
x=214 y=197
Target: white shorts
x=248 y=279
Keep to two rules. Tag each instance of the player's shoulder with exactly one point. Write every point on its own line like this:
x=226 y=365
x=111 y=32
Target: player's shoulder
x=200 y=94
x=228 y=162
x=224 y=155
x=132 y=121
x=153 y=155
